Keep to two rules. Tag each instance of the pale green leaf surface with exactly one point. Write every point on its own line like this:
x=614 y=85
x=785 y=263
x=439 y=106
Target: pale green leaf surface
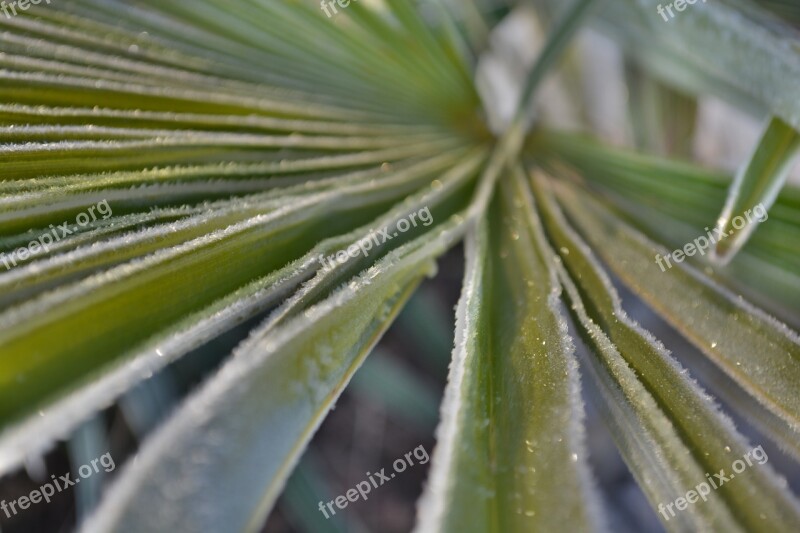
x=272 y=395
x=173 y=342
x=510 y=455
x=756 y=186
x=758 y=65
x=708 y=438
x=237 y=140
x=761 y=354
x=673 y=201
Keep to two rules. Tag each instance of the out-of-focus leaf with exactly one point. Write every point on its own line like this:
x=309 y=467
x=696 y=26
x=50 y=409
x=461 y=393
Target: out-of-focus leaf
x=306 y=486
x=663 y=118
x=384 y=380
x=786 y=8
x=425 y=316
x=756 y=187
x=758 y=66
x=570 y=21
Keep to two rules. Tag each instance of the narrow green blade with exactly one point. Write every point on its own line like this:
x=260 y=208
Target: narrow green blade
x=756 y=351
x=679 y=420
x=248 y=425
x=756 y=187
x=510 y=456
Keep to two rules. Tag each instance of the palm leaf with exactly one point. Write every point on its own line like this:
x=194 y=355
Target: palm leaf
x=511 y=448
x=193 y=165
x=757 y=185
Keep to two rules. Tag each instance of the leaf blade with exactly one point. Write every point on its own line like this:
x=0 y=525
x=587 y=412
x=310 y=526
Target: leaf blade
x=756 y=185
x=511 y=395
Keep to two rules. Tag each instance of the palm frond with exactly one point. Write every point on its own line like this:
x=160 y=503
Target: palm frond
x=178 y=172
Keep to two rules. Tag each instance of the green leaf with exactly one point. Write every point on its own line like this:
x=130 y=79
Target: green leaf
x=758 y=67
x=756 y=351
x=678 y=419
x=239 y=140
x=756 y=186
x=663 y=119
x=672 y=201
x=68 y=398
x=270 y=396
x=510 y=453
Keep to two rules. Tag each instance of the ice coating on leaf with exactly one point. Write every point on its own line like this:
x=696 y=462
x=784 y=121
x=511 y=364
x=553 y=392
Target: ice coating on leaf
x=36 y=434
x=285 y=382
x=34 y=310
x=225 y=214
x=176 y=120
x=757 y=351
x=194 y=140
x=429 y=197
x=708 y=435
x=671 y=202
x=484 y=473
x=431 y=507
x=645 y=437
